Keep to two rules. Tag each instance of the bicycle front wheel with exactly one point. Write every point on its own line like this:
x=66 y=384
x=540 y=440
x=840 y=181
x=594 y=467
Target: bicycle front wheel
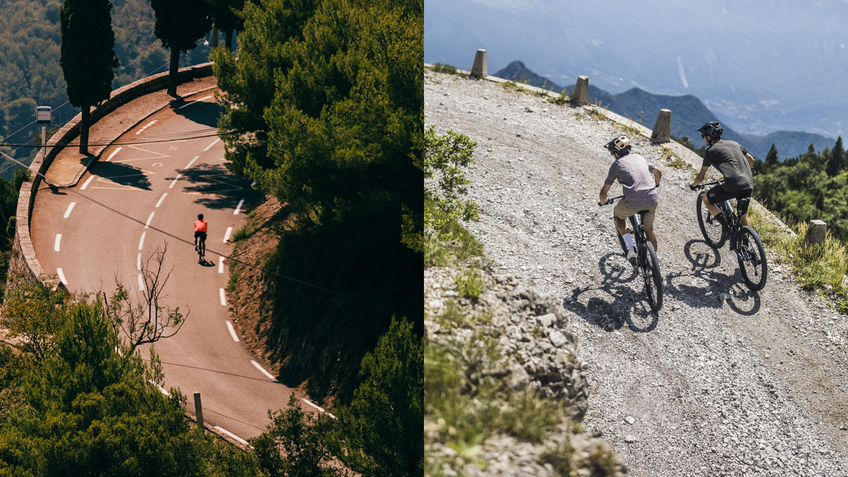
x=620 y=238
x=651 y=274
x=710 y=227
x=752 y=259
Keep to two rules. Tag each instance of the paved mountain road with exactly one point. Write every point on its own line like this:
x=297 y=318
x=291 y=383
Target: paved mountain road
x=144 y=194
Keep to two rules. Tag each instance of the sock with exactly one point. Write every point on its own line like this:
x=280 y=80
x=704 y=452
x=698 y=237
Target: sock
x=628 y=239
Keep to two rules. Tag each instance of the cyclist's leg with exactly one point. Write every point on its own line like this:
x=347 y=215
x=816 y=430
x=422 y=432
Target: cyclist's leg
x=621 y=213
x=743 y=200
x=712 y=197
x=648 y=224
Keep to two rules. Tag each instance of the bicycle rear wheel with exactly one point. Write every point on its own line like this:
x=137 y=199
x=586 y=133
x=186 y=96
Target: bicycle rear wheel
x=752 y=259
x=650 y=268
x=710 y=227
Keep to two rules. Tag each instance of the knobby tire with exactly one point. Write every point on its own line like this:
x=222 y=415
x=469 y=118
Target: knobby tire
x=752 y=259
x=710 y=227
x=650 y=270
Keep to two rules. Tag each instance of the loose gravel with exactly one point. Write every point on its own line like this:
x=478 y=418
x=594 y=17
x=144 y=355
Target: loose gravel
x=722 y=381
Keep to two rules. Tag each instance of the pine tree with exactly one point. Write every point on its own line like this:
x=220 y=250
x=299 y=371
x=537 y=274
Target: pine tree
x=771 y=158
x=179 y=24
x=88 y=57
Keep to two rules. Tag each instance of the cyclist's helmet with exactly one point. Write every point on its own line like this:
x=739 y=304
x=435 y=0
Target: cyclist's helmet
x=711 y=129
x=199 y=216
x=619 y=145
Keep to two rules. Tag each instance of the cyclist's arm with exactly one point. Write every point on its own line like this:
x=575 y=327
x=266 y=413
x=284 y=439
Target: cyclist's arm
x=657 y=176
x=602 y=198
x=700 y=177
x=750 y=160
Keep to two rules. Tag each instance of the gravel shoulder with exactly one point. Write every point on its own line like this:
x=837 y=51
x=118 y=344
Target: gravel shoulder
x=722 y=381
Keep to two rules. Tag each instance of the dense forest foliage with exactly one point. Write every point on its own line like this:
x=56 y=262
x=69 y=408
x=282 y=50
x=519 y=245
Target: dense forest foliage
x=811 y=186
x=331 y=92
x=30 y=74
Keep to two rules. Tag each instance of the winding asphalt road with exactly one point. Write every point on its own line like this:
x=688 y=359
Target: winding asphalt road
x=144 y=193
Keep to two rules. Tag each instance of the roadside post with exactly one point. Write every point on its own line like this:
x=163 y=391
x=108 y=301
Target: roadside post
x=43 y=116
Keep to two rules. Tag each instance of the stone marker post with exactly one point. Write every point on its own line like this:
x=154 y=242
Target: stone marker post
x=480 y=70
x=581 y=91
x=662 y=128
x=198 y=410
x=816 y=233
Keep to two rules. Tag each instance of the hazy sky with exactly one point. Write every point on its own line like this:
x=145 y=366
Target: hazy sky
x=776 y=64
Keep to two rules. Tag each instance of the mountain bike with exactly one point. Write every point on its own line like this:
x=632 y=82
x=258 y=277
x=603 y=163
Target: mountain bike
x=646 y=257
x=744 y=240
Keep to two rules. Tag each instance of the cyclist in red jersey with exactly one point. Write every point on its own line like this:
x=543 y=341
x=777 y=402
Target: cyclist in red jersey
x=200 y=227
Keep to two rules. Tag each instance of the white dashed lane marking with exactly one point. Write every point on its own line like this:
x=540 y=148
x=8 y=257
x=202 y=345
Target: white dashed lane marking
x=56 y=245
x=161 y=199
x=237 y=438
x=147 y=225
x=61 y=276
x=223 y=297
x=266 y=373
x=220 y=264
x=238 y=207
x=141 y=242
x=193 y=102
x=113 y=154
x=174 y=182
x=85 y=184
x=213 y=143
x=190 y=163
x=232 y=331
x=227 y=234
x=70 y=208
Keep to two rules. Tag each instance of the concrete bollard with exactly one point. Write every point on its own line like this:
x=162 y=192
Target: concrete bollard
x=580 y=96
x=662 y=128
x=816 y=233
x=198 y=410
x=480 y=69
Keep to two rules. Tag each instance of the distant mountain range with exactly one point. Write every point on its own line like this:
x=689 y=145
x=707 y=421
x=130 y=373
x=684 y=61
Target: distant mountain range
x=688 y=113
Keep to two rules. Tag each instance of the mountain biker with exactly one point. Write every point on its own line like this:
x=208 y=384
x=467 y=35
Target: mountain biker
x=734 y=163
x=634 y=173
x=200 y=227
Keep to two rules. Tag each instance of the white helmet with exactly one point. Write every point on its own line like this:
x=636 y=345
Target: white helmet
x=619 y=145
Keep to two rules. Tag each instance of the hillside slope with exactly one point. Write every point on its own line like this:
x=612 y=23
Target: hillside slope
x=722 y=381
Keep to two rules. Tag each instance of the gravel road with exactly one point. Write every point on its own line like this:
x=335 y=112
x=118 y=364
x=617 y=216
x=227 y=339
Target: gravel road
x=722 y=381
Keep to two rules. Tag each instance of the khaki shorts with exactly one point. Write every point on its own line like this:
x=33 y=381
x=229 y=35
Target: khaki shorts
x=622 y=212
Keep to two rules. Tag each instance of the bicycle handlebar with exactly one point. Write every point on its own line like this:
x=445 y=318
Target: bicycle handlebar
x=705 y=184
x=611 y=200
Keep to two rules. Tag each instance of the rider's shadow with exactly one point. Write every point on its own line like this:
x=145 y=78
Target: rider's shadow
x=628 y=306
x=704 y=286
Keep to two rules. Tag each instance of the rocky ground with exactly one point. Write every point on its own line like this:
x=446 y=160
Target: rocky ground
x=722 y=381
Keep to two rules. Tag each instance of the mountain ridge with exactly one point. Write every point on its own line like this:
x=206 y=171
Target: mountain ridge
x=688 y=113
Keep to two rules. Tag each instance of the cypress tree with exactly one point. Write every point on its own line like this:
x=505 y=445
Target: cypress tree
x=838 y=161
x=179 y=24
x=88 y=57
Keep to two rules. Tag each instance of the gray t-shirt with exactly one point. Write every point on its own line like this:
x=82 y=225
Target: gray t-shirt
x=635 y=174
x=729 y=158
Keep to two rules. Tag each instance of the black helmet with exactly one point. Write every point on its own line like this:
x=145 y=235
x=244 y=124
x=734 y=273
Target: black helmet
x=619 y=145
x=711 y=129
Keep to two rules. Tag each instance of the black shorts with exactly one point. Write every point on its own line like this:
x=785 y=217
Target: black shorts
x=200 y=235
x=717 y=195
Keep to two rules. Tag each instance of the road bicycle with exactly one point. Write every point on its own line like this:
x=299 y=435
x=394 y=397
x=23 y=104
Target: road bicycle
x=744 y=240
x=646 y=257
x=201 y=250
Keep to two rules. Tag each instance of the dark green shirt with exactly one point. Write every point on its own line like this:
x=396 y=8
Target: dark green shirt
x=729 y=158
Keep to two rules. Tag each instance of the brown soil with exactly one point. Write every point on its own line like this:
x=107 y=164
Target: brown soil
x=247 y=290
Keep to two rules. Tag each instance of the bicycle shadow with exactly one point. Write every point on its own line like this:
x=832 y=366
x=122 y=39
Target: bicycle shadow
x=704 y=286
x=627 y=307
